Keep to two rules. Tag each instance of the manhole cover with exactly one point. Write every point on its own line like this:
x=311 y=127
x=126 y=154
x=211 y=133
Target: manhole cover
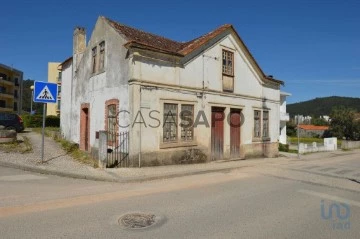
x=137 y=220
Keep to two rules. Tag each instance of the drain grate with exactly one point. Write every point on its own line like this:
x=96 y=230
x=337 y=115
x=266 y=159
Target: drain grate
x=137 y=220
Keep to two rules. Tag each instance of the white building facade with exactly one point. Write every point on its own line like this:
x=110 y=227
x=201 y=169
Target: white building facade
x=202 y=100
x=284 y=117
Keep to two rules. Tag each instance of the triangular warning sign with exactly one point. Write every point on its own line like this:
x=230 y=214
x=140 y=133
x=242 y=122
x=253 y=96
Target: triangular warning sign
x=45 y=94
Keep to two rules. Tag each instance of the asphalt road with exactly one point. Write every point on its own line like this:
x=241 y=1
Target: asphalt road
x=235 y=204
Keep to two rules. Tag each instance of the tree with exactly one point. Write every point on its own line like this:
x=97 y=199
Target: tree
x=318 y=121
x=27 y=98
x=290 y=129
x=343 y=124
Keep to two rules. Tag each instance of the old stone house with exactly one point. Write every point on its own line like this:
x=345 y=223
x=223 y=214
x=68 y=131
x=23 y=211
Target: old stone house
x=127 y=80
x=309 y=130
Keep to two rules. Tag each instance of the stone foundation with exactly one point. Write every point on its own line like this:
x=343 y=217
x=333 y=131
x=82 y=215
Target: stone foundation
x=169 y=157
x=199 y=155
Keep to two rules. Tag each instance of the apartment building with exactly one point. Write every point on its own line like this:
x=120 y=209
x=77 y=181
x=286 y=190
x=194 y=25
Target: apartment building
x=10 y=89
x=54 y=76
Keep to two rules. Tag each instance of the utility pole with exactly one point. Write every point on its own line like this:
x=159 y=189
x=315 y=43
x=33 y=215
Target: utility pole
x=32 y=98
x=298 y=135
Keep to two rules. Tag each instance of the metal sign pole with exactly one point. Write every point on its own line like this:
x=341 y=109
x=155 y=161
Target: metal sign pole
x=43 y=134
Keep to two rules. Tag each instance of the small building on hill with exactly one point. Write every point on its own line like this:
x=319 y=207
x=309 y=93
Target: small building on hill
x=309 y=130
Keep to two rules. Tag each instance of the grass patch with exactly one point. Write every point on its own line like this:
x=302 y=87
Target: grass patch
x=71 y=148
x=49 y=131
x=293 y=151
x=17 y=146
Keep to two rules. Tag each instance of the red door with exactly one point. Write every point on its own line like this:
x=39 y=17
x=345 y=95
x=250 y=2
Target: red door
x=217 y=133
x=235 y=121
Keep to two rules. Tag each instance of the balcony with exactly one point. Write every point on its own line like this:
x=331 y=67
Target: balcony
x=6 y=81
x=5 y=108
x=284 y=116
x=5 y=94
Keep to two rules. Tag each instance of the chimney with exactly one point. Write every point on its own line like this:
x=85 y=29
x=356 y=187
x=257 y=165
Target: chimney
x=79 y=45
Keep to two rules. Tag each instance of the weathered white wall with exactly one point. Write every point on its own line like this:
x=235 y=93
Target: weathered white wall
x=66 y=102
x=179 y=84
x=95 y=89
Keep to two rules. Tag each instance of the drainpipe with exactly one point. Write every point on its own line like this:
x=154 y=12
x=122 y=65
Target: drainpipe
x=140 y=132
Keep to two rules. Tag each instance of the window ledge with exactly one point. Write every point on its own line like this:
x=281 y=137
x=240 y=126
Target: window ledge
x=228 y=75
x=177 y=144
x=97 y=73
x=259 y=140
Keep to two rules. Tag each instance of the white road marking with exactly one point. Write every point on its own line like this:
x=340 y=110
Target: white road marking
x=21 y=177
x=330 y=197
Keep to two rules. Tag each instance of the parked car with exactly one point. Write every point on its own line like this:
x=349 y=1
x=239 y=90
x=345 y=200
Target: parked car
x=11 y=121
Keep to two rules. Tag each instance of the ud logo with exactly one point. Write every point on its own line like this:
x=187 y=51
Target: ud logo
x=339 y=220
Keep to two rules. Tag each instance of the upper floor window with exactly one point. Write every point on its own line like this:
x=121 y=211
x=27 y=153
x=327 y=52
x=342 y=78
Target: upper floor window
x=102 y=56
x=93 y=62
x=228 y=63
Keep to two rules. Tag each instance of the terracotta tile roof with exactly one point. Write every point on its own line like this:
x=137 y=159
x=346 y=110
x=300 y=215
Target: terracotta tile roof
x=194 y=44
x=140 y=37
x=313 y=127
x=146 y=40
x=66 y=61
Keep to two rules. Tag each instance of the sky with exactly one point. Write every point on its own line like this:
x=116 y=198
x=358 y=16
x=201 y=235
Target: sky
x=314 y=46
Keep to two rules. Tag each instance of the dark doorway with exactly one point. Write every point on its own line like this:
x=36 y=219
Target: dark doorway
x=217 y=132
x=84 y=128
x=235 y=123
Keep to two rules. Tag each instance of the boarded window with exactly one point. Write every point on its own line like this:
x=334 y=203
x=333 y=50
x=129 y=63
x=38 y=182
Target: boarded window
x=94 y=51
x=257 y=125
x=102 y=56
x=265 y=124
x=170 y=123
x=112 y=121
x=228 y=63
x=187 y=119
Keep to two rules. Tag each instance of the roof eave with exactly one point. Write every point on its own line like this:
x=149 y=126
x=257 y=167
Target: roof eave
x=139 y=45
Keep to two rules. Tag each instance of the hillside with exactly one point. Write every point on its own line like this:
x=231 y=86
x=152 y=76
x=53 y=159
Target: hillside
x=322 y=106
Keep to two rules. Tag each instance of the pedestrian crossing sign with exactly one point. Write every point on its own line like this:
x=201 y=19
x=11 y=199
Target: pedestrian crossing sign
x=45 y=92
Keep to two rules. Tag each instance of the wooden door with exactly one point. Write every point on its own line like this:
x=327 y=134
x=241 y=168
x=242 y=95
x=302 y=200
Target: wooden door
x=235 y=123
x=87 y=131
x=217 y=133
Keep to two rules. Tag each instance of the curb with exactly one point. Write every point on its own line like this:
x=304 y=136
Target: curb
x=53 y=172
x=118 y=180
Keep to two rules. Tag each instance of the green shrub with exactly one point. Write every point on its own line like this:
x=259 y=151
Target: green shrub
x=52 y=121
x=32 y=121
x=283 y=147
x=35 y=121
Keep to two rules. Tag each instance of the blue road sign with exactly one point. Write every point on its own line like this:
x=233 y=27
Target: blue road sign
x=45 y=92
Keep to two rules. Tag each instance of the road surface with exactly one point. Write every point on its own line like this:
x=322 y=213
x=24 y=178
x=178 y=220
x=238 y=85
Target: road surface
x=235 y=204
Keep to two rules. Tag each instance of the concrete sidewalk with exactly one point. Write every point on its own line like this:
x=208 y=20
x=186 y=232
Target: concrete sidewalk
x=61 y=164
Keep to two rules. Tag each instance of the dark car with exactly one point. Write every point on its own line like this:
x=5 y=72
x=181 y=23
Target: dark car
x=11 y=121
